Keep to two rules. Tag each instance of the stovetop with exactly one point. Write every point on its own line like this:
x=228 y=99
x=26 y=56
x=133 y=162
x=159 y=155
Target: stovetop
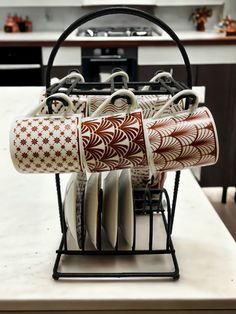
x=117 y=32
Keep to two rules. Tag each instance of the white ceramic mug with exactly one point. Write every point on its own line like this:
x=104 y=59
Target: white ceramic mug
x=182 y=140
x=47 y=143
x=114 y=142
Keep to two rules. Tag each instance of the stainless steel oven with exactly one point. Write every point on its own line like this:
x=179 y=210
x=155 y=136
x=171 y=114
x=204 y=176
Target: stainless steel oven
x=98 y=63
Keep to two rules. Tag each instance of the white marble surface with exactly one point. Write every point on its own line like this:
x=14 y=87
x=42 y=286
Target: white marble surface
x=52 y=36
x=30 y=234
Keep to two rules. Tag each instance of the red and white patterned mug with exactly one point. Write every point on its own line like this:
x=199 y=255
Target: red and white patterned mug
x=183 y=140
x=115 y=141
x=47 y=143
x=140 y=177
x=106 y=106
x=149 y=104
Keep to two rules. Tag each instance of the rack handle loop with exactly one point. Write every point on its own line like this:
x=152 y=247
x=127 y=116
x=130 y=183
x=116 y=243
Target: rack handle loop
x=118 y=10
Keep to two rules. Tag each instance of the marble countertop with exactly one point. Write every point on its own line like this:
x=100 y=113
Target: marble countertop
x=30 y=234
x=49 y=37
x=185 y=35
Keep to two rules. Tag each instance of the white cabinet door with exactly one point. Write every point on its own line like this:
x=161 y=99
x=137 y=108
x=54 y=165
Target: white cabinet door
x=65 y=56
x=207 y=54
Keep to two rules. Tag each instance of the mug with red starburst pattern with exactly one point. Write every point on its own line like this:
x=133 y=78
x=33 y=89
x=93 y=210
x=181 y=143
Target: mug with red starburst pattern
x=47 y=143
x=149 y=104
x=115 y=141
x=182 y=140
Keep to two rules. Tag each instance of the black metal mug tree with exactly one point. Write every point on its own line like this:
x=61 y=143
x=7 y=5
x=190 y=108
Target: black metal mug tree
x=87 y=88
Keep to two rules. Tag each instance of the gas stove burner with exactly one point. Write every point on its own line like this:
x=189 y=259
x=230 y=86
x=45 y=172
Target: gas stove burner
x=117 y=32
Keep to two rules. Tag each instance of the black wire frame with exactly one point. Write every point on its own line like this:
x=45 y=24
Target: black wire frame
x=150 y=208
x=63 y=247
x=119 y=10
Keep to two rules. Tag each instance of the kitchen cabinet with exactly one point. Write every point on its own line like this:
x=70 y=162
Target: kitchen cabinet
x=66 y=56
x=221 y=100
x=20 y=66
x=146 y=72
x=59 y=71
x=66 y=59
x=26 y=66
x=232 y=126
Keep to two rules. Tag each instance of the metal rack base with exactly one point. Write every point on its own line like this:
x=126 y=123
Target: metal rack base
x=170 y=251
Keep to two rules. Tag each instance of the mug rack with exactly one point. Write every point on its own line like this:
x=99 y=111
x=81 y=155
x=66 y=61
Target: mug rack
x=148 y=202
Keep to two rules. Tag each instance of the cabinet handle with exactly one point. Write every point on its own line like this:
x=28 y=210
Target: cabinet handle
x=104 y=60
x=19 y=66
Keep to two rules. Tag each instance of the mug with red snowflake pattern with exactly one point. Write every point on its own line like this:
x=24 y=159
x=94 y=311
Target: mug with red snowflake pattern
x=47 y=143
x=79 y=102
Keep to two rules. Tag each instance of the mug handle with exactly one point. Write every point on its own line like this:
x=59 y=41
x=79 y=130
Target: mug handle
x=58 y=96
x=186 y=92
x=115 y=74
x=120 y=92
x=73 y=75
x=156 y=77
x=123 y=74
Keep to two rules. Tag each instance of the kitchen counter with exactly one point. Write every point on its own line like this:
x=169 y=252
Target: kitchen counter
x=49 y=38
x=30 y=234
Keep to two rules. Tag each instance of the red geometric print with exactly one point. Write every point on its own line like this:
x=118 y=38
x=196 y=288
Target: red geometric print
x=120 y=105
x=183 y=141
x=140 y=177
x=149 y=104
x=46 y=145
x=114 y=142
x=79 y=105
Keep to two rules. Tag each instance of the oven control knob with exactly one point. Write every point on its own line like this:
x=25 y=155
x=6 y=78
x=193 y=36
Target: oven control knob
x=120 y=51
x=97 y=52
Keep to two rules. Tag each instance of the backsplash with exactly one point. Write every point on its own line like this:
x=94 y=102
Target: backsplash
x=179 y=18
x=59 y=18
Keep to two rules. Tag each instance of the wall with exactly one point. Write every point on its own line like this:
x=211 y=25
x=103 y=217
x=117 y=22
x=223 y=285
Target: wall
x=58 y=18
x=179 y=18
x=230 y=8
